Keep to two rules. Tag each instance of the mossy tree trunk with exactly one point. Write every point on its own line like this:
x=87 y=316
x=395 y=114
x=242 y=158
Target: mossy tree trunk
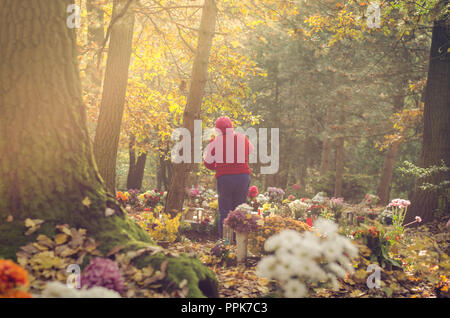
x=107 y=134
x=176 y=193
x=436 y=127
x=47 y=167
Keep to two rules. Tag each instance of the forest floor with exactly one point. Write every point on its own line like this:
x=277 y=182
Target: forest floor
x=241 y=281
x=423 y=250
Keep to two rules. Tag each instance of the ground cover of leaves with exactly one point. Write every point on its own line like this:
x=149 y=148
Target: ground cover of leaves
x=425 y=251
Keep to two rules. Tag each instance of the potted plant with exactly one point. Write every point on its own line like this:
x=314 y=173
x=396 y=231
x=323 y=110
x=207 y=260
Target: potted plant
x=242 y=222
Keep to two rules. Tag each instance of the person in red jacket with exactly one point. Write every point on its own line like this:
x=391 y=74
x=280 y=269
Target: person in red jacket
x=228 y=154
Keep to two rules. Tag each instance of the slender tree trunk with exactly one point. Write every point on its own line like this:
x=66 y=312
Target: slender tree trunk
x=159 y=175
x=339 y=158
x=114 y=89
x=436 y=126
x=384 y=186
x=137 y=166
x=199 y=77
x=96 y=36
x=327 y=142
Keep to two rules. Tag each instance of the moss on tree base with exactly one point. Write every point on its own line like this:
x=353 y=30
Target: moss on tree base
x=117 y=231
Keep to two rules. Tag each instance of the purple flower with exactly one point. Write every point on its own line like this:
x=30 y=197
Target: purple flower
x=241 y=221
x=275 y=193
x=102 y=272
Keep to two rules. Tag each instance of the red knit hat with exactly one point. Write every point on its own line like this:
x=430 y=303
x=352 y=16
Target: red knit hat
x=223 y=123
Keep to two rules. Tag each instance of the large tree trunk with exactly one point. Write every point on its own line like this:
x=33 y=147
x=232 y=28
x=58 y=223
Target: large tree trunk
x=176 y=193
x=340 y=157
x=384 y=187
x=47 y=168
x=107 y=135
x=327 y=142
x=137 y=166
x=436 y=126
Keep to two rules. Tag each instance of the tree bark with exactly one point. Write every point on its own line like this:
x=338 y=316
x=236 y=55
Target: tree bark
x=384 y=187
x=96 y=35
x=47 y=168
x=176 y=193
x=137 y=166
x=107 y=135
x=436 y=126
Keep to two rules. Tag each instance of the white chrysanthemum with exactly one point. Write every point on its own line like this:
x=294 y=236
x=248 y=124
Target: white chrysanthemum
x=336 y=269
x=266 y=266
x=294 y=289
x=326 y=227
x=273 y=243
x=245 y=208
x=281 y=273
x=261 y=199
x=308 y=257
x=59 y=290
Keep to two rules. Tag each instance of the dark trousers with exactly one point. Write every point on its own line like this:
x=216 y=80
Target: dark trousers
x=232 y=190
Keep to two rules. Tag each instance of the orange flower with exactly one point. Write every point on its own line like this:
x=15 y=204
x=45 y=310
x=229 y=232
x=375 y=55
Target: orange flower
x=16 y=294
x=11 y=276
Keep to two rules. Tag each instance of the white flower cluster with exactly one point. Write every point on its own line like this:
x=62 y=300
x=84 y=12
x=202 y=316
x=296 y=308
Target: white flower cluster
x=320 y=198
x=59 y=290
x=298 y=208
x=261 y=198
x=308 y=257
x=245 y=208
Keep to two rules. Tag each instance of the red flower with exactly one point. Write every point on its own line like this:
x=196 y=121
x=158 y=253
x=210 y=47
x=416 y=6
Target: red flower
x=296 y=186
x=309 y=221
x=252 y=192
x=146 y=209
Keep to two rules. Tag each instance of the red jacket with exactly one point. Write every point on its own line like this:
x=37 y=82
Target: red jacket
x=232 y=165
